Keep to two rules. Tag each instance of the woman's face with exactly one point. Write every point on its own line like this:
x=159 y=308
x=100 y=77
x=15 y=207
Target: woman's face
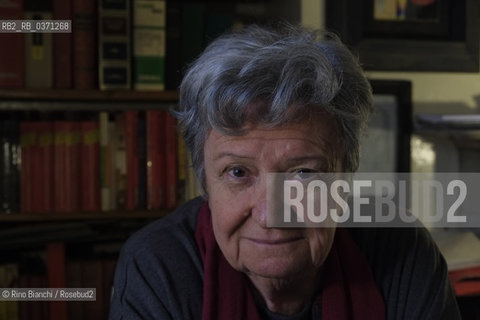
x=236 y=170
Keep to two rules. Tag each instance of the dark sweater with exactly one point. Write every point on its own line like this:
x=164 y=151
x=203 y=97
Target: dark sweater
x=159 y=274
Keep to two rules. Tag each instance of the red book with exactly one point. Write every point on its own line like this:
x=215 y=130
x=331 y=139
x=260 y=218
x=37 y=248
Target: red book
x=92 y=277
x=90 y=167
x=28 y=140
x=72 y=166
x=44 y=182
x=62 y=47
x=131 y=140
x=57 y=278
x=171 y=194
x=74 y=280
x=59 y=162
x=466 y=281
x=11 y=72
x=155 y=159
x=84 y=44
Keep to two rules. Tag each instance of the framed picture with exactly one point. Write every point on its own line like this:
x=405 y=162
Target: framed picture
x=409 y=35
x=385 y=147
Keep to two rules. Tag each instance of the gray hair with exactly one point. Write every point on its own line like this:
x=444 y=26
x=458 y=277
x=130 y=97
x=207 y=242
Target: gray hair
x=295 y=74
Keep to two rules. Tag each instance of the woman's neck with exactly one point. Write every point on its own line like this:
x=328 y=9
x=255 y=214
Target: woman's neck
x=285 y=296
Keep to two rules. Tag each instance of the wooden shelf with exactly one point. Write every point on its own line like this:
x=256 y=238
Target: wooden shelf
x=88 y=95
x=81 y=216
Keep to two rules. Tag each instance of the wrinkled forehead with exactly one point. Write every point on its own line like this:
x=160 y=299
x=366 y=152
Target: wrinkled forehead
x=302 y=138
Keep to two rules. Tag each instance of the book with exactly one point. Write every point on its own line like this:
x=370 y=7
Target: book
x=12 y=73
x=43 y=184
x=90 y=167
x=119 y=157
x=9 y=167
x=38 y=47
x=60 y=129
x=67 y=138
x=62 y=47
x=56 y=275
x=142 y=161
x=461 y=250
x=92 y=277
x=171 y=172
x=72 y=166
x=149 y=44
x=84 y=44
x=74 y=280
x=28 y=139
x=132 y=165
x=114 y=44
x=449 y=121
x=105 y=162
x=155 y=120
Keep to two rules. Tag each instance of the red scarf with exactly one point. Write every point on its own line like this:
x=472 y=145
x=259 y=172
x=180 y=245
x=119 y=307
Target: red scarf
x=349 y=290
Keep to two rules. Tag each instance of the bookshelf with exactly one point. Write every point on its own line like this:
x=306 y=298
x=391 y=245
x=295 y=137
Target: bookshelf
x=68 y=89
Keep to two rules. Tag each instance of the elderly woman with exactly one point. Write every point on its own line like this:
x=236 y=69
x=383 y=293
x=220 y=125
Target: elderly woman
x=255 y=102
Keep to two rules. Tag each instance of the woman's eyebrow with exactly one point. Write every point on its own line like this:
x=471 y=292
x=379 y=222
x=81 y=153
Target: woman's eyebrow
x=231 y=155
x=303 y=159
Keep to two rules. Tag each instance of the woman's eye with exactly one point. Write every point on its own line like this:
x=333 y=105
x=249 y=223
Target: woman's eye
x=238 y=172
x=303 y=173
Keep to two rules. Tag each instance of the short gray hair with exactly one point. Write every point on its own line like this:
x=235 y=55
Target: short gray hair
x=294 y=72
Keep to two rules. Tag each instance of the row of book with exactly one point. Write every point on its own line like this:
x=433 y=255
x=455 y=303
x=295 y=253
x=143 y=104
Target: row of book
x=108 y=39
x=79 y=273
x=130 y=160
x=127 y=44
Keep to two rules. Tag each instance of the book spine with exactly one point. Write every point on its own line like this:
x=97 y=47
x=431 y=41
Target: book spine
x=44 y=186
x=38 y=47
x=27 y=142
x=12 y=73
x=56 y=275
x=105 y=167
x=131 y=141
x=36 y=171
x=142 y=161
x=120 y=162
x=92 y=277
x=84 y=44
x=155 y=158
x=171 y=185
x=72 y=166
x=90 y=167
x=114 y=44
x=74 y=280
x=62 y=47
x=10 y=167
x=149 y=44
x=59 y=161
x=112 y=147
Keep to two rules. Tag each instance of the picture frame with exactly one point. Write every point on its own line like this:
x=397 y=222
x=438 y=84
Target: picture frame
x=448 y=44
x=385 y=147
